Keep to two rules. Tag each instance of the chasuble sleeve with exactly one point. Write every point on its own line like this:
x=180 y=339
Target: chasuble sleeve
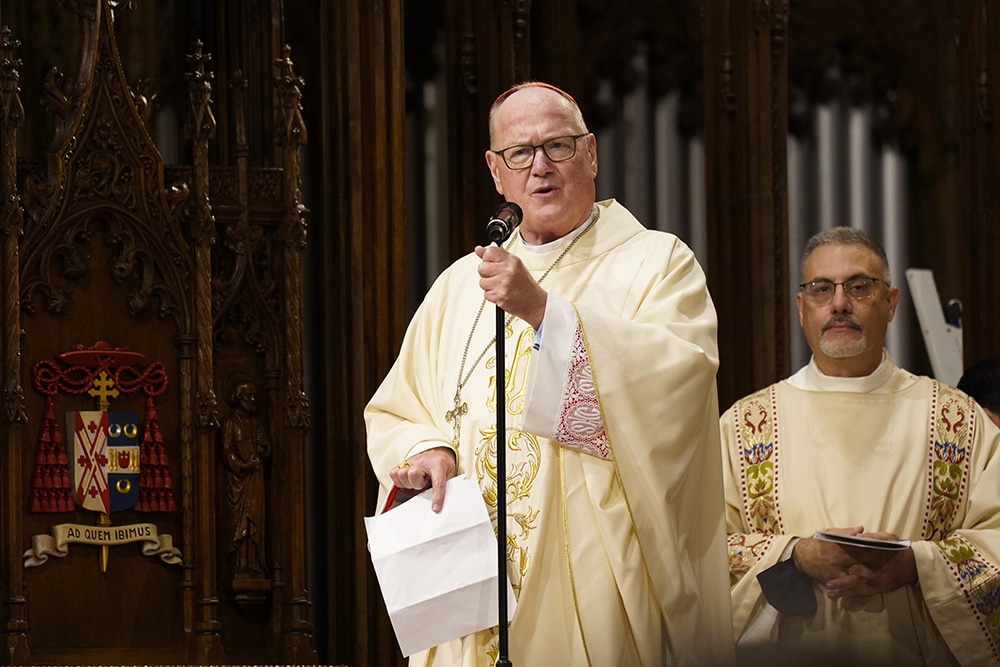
x=754 y=548
x=405 y=415
x=563 y=404
x=633 y=366
x=959 y=570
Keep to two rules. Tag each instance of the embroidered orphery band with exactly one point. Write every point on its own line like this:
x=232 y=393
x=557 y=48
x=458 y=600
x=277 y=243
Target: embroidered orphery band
x=950 y=454
x=756 y=437
x=979 y=581
x=580 y=424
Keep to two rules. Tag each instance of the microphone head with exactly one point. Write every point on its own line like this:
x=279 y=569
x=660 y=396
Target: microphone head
x=504 y=221
x=511 y=210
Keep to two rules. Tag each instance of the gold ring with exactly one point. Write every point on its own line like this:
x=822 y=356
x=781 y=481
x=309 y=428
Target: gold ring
x=403 y=464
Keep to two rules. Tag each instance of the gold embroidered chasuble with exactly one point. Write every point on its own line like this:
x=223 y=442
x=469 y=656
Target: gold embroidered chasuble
x=912 y=457
x=615 y=546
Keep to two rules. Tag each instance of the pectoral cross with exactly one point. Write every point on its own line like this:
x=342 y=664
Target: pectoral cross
x=455 y=417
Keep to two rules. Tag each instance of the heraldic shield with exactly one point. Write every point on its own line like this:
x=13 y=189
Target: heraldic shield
x=104 y=456
x=105 y=461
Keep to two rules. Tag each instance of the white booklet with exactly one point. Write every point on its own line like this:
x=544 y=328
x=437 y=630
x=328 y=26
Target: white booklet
x=859 y=541
x=438 y=572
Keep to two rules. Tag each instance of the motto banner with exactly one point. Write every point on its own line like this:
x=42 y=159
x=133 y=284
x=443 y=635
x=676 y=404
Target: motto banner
x=62 y=535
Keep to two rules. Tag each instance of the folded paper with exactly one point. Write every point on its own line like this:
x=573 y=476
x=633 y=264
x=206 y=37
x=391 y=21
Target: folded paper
x=438 y=572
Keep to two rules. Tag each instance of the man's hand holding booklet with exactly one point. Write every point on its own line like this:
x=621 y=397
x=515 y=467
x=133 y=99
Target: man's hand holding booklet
x=861 y=541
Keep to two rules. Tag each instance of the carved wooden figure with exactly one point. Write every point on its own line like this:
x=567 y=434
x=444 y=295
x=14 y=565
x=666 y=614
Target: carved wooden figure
x=195 y=270
x=246 y=449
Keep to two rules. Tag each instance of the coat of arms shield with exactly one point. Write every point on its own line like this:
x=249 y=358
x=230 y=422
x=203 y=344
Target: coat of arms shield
x=104 y=459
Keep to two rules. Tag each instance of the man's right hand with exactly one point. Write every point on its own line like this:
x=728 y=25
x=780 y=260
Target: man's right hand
x=821 y=560
x=433 y=467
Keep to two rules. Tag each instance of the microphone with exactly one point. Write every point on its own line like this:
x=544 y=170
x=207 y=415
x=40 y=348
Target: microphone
x=503 y=222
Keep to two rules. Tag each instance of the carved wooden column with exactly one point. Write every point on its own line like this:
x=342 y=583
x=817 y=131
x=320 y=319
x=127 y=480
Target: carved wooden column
x=200 y=129
x=296 y=626
x=488 y=50
x=979 y=53
x=746 y=119
x=357 y=291
x=13 y=416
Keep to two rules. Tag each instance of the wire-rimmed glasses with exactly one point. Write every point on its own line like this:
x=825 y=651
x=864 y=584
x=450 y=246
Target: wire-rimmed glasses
x=821 y=291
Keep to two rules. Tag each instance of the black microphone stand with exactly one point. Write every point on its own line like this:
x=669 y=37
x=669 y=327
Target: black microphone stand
x=499 y=229
x=502 y=660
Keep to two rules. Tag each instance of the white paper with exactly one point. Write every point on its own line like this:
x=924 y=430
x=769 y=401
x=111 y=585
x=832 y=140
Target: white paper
x=437 y=572
x=859 y=541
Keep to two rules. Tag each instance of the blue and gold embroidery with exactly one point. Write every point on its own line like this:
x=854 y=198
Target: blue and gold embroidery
x=755 y=436
x=743 y=554
x=950 y=456
x=753 y=420
x=980 y=582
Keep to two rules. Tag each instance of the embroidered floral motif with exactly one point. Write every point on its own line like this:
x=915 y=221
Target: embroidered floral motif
x=980 y=582
x=523 y=457
x=950 y=452
x=756 y=437
x=743 y=554
x=950 y=447
x=581 y=425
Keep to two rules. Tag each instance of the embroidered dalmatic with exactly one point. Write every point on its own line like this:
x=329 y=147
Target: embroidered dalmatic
x=616 y=543
x=892 y=452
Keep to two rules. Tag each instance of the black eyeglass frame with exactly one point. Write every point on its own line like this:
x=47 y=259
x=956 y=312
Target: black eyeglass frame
x=534 y=149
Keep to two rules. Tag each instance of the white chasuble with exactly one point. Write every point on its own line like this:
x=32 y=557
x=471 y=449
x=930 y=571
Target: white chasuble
x=615 y=530
x=894 y=452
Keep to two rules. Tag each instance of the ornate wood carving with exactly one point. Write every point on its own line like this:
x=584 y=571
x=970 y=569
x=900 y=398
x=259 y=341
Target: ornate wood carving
x=291 y=134
x=198 y=266
x=105 y=164
x=11 y=227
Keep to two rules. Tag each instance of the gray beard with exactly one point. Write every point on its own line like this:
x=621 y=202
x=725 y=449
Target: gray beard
x=843 y=350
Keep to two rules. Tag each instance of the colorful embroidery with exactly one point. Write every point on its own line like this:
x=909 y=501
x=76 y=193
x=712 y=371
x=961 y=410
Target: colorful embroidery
x=949 y=452
x=980 y=583
x=757 y=439
x=743 y=555
x=581 y=425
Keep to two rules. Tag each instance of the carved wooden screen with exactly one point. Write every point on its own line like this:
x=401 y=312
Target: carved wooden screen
x=154 y=414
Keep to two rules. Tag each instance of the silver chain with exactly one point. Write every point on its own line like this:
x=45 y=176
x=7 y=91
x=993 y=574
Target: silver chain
x=468 y=343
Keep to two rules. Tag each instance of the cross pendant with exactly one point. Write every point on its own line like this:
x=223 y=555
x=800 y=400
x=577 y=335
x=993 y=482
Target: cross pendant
x=455 y=417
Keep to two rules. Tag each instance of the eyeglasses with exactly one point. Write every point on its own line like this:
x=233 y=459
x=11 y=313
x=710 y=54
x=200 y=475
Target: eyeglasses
x=557 y=149
x=822 y=291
